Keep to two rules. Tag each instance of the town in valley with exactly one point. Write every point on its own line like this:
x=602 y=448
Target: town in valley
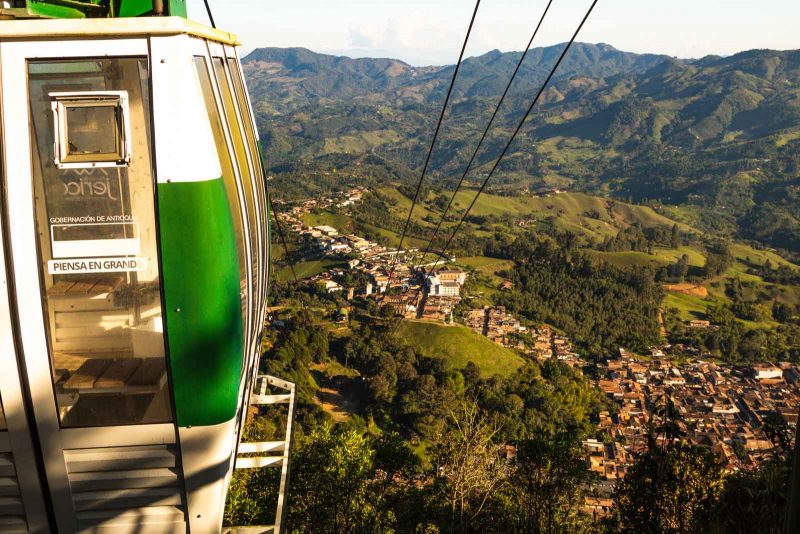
x=727 y=408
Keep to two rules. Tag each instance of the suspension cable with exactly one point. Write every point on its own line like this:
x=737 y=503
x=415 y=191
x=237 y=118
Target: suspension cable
x=433 y=143
x=283 y=241
x=210 y=16
x=485 y=132
x=516 y=131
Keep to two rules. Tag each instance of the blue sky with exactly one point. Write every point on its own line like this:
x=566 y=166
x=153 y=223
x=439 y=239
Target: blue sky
x=430 y=32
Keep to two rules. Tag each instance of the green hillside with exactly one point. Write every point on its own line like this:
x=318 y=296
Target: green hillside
x=458 y=345
x=582 y=214
x=716 y=139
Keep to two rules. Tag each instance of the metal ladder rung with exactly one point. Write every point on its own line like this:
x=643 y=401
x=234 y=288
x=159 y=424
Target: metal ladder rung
x=264 y=446
x=270 y=399
x=266 y=529
x=258 y=461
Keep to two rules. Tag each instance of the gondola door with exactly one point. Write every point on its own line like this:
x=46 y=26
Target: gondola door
x=84 y=257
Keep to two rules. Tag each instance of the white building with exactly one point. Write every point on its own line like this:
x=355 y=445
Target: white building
x=329 y=231
x=767 y=372
x=332 y=287
x=338 y=247
x=439 y=288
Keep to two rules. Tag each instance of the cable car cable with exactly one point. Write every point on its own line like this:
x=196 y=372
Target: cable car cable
x=433 y=143
x=486 y=131
x=283 y=241
x=516 y=131
x=210 y=16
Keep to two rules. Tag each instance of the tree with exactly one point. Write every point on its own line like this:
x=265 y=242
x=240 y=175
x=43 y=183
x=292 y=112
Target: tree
x=718 y=259
x=334 y=487
x=670 y=489
x=755 y=500
x=544 y=492
x=675 y=237
x=678 y=270
x=781 y=312
x=468 y=467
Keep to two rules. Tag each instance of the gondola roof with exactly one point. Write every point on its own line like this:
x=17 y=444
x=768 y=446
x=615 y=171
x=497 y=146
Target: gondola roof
x=108 y=27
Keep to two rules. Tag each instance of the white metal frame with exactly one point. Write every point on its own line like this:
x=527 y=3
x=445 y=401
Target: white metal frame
x=25 y=263
x=60 y=104
x=233 y=54
x=17 y=437
x=258 y=453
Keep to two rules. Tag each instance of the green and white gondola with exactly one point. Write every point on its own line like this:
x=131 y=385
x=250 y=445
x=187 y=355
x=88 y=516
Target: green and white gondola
x=135 y=253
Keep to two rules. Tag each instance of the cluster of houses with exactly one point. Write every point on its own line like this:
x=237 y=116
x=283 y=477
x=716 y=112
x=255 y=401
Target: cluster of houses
x=415 y=293
x=724 y=408
x=541 y=343
x=495 y=323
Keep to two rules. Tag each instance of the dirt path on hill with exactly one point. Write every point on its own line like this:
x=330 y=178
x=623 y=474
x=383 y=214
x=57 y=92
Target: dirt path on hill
x=693 y=290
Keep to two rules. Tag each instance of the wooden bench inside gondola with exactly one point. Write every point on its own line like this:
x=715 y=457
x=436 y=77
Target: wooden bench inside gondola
x=106 y=385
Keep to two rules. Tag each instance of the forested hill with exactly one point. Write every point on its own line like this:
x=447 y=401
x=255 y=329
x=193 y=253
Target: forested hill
x=719 y=137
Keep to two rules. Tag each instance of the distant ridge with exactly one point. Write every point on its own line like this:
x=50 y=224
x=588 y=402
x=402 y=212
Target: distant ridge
x=322 y=75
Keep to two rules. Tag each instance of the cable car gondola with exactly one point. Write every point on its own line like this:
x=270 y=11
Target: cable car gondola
x=135 y=252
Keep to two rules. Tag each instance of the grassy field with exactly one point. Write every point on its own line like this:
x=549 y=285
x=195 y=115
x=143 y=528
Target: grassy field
x=307 y=269
x=393 y=238
x=786 y=137
x=592 y=217
x=660 y=256
x=458 y=344
x=343 y=223
x=688 y=306
x=485 y=265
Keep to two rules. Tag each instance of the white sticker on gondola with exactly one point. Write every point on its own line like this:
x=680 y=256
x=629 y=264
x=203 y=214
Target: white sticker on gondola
x=81 y=240
x=96 y=265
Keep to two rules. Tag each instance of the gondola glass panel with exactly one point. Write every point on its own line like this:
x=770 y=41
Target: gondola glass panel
x=228 y=176
x=241 y=156
x=249 y=128
x=95 y=222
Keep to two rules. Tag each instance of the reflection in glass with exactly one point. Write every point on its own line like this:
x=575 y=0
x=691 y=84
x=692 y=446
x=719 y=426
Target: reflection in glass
x=92 y=130
x=97 y=240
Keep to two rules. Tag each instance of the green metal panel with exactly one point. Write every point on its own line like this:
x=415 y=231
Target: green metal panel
x=71 y=9
x=138 y=8
x=177 y=8
x=134 y=8
x=64 y=9
x=201 y=290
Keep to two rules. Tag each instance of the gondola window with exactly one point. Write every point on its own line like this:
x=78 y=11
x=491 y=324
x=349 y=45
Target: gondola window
x=95 y=219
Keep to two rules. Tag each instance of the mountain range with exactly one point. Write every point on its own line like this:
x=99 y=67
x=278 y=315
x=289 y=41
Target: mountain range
x=716 y=140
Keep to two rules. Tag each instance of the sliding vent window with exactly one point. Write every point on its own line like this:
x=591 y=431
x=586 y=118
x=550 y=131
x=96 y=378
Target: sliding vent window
x=91 y=129
x=95 y=218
